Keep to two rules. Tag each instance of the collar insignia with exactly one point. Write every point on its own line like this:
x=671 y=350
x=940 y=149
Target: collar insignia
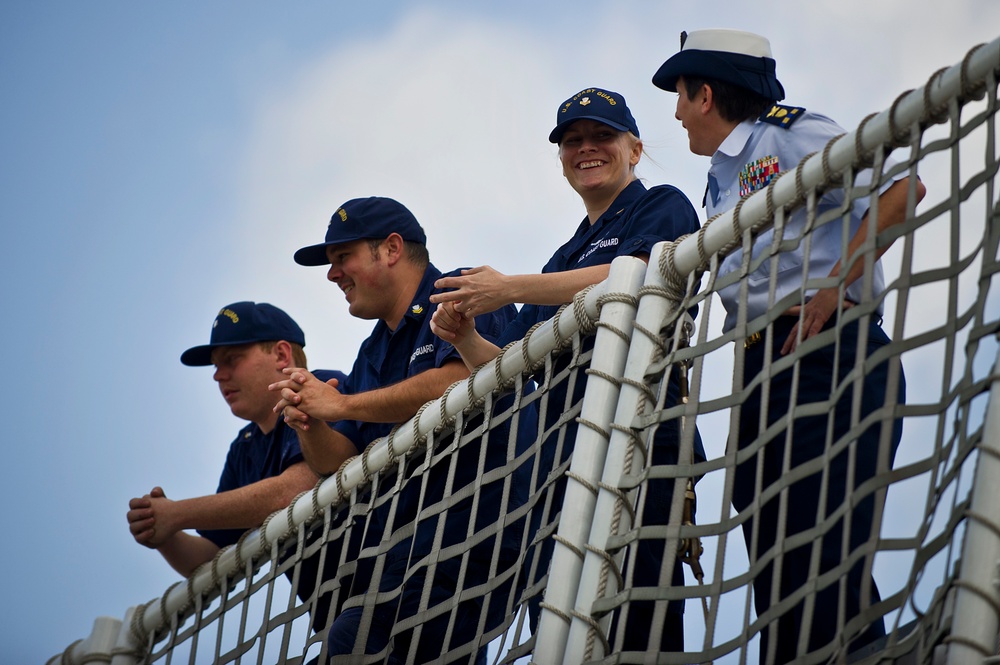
x=417 y=309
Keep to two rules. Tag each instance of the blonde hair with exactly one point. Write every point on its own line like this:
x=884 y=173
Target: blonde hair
x=642 y=151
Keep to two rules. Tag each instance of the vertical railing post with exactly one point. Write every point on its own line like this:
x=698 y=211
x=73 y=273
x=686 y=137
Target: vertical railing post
x=98 y=646
x=590 y=449
x=126 y=651
x=975 y=623
x=652 y=310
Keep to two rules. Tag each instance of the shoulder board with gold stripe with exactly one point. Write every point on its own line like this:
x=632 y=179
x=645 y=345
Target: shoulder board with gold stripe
x=782 y=116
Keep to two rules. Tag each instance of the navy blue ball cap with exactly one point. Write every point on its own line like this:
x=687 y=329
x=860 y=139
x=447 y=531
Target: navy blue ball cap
x=594 y=104
x=373 y=217
x=741 y=58
x=245 y=323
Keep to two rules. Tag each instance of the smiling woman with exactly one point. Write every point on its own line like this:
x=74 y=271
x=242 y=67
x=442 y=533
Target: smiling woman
x=599 y=148
x=599 y=162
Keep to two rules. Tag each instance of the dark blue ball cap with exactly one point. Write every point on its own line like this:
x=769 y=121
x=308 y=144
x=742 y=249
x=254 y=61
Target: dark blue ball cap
x=594 y=104
x=373 y=217
x=245 y=322
x=734 y=56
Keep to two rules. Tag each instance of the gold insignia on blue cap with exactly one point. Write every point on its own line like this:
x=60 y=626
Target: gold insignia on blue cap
x=417 y=309
x=584 y=101
x=340 y=213
x=230 y=314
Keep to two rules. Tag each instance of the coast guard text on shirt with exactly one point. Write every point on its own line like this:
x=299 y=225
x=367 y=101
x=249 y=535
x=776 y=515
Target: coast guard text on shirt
x=420 y=351
x=600 y=244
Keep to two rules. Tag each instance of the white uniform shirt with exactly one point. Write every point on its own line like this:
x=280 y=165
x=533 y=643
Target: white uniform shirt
x=750 y=157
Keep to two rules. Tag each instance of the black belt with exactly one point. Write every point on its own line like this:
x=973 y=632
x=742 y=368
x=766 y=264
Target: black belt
x=753 y=338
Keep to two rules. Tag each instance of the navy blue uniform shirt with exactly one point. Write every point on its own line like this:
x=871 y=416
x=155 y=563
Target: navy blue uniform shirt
x=637 y=220
x=254 y=456
x=389 y=356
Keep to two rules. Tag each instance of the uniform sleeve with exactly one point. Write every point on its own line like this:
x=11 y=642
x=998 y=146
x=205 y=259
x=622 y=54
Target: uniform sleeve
x=230 y=477
x=223 y=537
x=344 y=386
x=228 y=480
x=325 y=375
x=350 y=428
x=492 y=325
x=291 y=449
x=518 y=328
x=816 y=131
x=664 y=213
x=808 y=135
x=444 y=353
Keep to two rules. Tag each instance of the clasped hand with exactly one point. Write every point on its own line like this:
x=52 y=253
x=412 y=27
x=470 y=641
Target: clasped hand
x=451 y=325
x=149 y=518
x=304 y=398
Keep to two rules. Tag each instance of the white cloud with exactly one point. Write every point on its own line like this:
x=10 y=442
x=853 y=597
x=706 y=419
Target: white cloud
x=450 y=118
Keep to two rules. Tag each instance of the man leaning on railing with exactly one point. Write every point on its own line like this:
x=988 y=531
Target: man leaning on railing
x=251 y=343
x=377 y=255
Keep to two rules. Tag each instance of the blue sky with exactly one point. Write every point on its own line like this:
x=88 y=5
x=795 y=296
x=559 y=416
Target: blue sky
x=162 y=160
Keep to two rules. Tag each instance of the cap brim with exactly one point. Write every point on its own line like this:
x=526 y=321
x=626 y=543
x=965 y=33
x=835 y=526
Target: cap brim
x=691 y=63
x=713 y=65
x=314 y=255
x=556 y=134
x=198 y=356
